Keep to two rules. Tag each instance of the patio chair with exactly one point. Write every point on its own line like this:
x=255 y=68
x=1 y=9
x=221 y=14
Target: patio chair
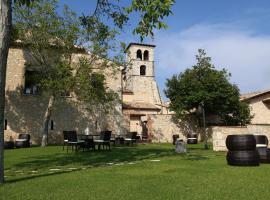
x=23 y=141
x=112 y=140
x=145 y=138
x=72 y=140
x=105 y=137
x=65 y=135
x=88 y=141
x=131 y=138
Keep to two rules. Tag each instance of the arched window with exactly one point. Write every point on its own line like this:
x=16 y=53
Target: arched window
x=142 y=70
x=146 y=55
x=139 y=55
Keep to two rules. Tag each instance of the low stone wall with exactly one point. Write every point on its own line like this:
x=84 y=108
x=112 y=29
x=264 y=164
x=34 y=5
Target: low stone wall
x=163 y=126
x=220 y=133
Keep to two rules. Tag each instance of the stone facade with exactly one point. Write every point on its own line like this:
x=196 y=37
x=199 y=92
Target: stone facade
x=141 y=95
x=24 y=113
x=143 y=87
x=259 y=103
x=135 y=85
x=164 y=127
x=220 y=133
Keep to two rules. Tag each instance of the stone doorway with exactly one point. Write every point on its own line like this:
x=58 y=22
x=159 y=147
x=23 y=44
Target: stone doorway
x=135 y=124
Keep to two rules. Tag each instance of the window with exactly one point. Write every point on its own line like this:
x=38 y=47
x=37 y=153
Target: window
x=139 y=55
x=5 y=125
x=142 y=70
x=146 y=55
x=52 y=124
x=31 y=86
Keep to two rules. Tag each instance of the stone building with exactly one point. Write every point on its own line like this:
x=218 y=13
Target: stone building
x=140 y=91
x=259 y=103
x=135 y=84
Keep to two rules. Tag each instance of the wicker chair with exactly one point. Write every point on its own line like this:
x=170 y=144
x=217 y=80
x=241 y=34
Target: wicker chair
x=71 y=139
x=105 y=137
x=23 y=141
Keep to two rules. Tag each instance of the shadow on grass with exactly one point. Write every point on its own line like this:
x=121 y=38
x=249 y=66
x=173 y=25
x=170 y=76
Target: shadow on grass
x=60 y=159
x=196 y=157
x=94 y=158
x=38 y=176
x=90 y=159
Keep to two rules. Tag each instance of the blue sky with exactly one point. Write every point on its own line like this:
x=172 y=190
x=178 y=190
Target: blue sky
x=236 y=34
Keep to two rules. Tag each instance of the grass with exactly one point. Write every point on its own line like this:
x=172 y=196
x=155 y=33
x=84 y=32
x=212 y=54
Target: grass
x=151 y=171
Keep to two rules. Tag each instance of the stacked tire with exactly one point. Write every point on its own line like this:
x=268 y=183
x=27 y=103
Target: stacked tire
x=192 y=139
x=242 y=150
x=261 y=146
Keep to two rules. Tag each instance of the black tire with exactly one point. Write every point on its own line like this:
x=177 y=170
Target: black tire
x=264 y=154
x=261 y=139
x=191 y=135
x=192 y=141
x=243 y=158
x=240 y=142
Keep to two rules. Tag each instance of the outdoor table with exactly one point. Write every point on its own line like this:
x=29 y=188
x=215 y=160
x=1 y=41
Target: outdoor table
x=119 y=140
x=88 y=140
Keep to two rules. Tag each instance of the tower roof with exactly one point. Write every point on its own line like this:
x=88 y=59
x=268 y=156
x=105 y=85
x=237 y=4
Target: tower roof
x=140 y=44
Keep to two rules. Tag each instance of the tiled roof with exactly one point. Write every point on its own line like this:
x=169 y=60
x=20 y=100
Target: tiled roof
x=140 y=44
x=127 y=91
x=140 y=105
x=253 y=94
x=166 y=105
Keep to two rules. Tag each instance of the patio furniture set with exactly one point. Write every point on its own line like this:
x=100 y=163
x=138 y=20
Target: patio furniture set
x=191 y=138
x=104 y=139
x=23 y=141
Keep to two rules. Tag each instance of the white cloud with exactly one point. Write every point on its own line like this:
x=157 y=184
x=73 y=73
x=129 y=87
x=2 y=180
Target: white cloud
x=245 y=54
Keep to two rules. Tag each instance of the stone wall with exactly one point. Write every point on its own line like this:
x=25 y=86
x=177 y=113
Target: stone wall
x=163 y=127
x=144 y=90
x=25 y=113
x=220 y=133
x=260 y=109
x=144 y=87
x=132 y=52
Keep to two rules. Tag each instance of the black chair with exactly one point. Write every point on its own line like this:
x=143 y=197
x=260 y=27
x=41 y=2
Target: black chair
x=65 y=135
x=105 y=137
x=72 y=140
x=88 y=141
x=145 y=138
x=131 y=138
x=23 y=141
x=113 y=140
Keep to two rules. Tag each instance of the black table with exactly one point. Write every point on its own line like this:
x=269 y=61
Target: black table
x=8 y=145
x=88 y=141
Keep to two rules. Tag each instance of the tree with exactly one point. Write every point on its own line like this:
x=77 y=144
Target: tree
x=205 y=87
x=49 y=39
x=5 y=19
x=151 y=16
x=5 y=30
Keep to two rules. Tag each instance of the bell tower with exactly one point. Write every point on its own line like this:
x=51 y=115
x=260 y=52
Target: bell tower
x=141 y=59
x=139 y=74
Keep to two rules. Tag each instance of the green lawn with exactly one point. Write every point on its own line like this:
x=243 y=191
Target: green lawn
x=143 y=172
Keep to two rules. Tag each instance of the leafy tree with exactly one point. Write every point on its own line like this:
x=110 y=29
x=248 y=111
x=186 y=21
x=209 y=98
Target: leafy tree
x=50 y=41
x=205 y=87
x=151 y=16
